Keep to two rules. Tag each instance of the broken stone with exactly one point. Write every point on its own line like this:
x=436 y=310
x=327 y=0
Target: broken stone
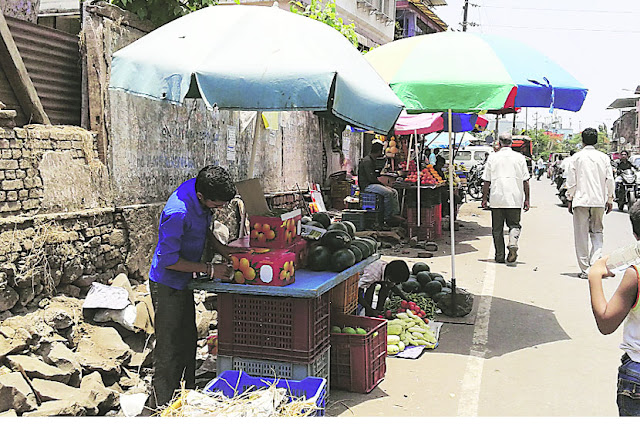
x=59 y=355
x=72 y=270
x=69 y=290
x=36 y=369
x=413 y=242
x=49 y=390
x=141 y=348
x=129 y=379
x=8 y=297
x=26 y=295
x=104 y=398
x=16 y=394
x=14 y=341
x=58 y=408
x=203 y=320
x=5 y=315
x=58 y=317
x=9 y=413
x=102 y=349
x=85 y=281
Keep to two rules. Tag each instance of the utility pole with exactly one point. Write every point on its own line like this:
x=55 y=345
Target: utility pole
x=464 y=19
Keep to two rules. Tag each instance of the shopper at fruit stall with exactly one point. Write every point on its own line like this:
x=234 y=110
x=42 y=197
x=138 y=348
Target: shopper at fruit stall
x=432 y=156
x=183 y=229
x=506 y=176
x=388 y=275
x=368 y=182
x=609 y=315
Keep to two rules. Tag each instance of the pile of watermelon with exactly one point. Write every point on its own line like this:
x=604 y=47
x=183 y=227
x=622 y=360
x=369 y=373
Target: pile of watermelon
x=423 y=281
x=339 y=248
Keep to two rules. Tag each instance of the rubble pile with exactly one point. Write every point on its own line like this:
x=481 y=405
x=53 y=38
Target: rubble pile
x=58 y=359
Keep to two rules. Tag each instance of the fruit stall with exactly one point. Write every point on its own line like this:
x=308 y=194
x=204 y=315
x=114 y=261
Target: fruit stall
x=296 y=280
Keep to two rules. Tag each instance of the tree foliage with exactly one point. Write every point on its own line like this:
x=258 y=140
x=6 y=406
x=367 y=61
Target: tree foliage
x=162 y=11
x=326 y=14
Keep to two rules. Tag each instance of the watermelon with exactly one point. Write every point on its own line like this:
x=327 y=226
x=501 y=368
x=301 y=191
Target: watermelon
x=364 y=248
x=305 y=220
x=410 y=286
x=335 y=239
x=339 y=226
x=369 y=243
x=420 y=266
x=351 y=228
x=374 y=243
x=342 y=259
x=356 y=252
x=432 y=287
x=319 y=258
x=316 y=224
x=423 y=277
x=323 y=218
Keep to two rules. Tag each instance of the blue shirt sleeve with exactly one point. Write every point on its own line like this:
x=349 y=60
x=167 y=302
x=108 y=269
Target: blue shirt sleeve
x=170 y=234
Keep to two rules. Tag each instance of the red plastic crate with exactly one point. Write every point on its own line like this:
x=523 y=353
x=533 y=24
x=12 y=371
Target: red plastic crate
x=430 y=222
x=344 y=296
x=274 y=328
x=358 y=361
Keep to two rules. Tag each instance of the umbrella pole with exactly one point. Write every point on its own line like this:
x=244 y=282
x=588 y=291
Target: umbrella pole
x=415 y=139
x=451 y=222
x=406 y=168
x=255 y=144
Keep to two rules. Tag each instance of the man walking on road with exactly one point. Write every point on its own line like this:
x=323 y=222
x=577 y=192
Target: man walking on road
x=590 y=189
x=507 y=176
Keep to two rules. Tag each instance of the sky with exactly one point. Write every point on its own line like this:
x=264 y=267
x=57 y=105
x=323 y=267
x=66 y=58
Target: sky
x=596 y=41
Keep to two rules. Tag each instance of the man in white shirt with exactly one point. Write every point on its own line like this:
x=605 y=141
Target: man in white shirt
x=590 y=189
x=507 y=176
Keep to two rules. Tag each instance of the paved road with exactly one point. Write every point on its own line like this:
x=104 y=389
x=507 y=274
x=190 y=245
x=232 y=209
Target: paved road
x=534 y=349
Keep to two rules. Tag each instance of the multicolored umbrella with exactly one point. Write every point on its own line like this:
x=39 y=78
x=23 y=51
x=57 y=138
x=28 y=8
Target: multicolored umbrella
x=471 y=72
x=420 y=124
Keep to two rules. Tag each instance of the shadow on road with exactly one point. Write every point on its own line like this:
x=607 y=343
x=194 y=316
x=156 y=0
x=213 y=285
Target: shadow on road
x=513 y=326
x=340 y=400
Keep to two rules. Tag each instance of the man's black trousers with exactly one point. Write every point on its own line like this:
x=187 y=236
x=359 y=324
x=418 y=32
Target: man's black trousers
x=174 y=356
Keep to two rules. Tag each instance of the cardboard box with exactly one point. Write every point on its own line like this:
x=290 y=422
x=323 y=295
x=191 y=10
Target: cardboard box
x=263 y=266
x=268 y=229
x=301 y=249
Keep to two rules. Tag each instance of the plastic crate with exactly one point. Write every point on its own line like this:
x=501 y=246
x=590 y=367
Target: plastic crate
x=275 y=328
x=319 y=367
x=358 y=361
x=357 y=217
x=429 y=197
x=344 y=296
x=233 y=383
x=370 y=201
x=430 y=222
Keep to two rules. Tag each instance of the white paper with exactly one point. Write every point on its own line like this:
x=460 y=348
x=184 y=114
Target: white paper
x=272 y=137
x=106 y=297
x=231 y=143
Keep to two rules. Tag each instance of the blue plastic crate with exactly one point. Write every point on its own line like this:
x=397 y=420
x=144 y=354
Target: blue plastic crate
x=232 y=383
x=369 y=201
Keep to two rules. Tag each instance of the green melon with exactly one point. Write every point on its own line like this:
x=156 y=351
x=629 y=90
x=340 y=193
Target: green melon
x=432 y=287
x=335 y=329
x=349 y=330
x=364 y=248
x=319 y=258
x=371 y=245
x=351 y=228
x=339 y=226
x=305 y=220
x=323 y=218
x=342 y=259
x=316 y=224
x=356 y=252
x=336 y=239
x=411 y=286
x=375 y=244
x=361 y=331
x=423 y=277
x=419 y=267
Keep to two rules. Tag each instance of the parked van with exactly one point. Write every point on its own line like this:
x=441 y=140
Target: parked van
x=470 y=155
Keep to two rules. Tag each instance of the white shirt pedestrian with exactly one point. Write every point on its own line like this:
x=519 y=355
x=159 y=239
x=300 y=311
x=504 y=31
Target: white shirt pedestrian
x=590 y=178
x=506 y=170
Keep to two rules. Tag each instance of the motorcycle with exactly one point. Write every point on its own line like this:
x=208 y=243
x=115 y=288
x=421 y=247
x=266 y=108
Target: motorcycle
x=626 y=189
x=474 y=181
x=561 y=185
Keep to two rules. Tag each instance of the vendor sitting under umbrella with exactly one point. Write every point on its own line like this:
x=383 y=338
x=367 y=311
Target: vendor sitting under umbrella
x=388 y=275
x=368 y=182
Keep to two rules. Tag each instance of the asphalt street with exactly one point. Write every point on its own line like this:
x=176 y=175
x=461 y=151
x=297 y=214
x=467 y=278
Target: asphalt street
x=532 y=349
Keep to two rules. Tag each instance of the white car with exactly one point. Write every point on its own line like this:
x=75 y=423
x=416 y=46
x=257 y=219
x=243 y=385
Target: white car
x=470 y=155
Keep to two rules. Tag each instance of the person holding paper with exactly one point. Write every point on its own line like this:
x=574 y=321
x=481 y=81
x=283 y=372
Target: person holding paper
x=184 y=226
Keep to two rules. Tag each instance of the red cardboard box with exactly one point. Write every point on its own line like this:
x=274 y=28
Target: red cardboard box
x=301 y=249
x=263 y=266
x=276 y=232
x=268 y=229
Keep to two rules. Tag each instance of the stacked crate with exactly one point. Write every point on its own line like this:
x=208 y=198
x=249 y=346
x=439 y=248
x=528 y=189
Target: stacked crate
x=430 y=228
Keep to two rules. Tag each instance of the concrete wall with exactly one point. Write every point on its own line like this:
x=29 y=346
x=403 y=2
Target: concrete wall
x=27 y=10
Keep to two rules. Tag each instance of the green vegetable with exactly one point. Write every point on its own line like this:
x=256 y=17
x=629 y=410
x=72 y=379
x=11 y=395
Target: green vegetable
x=335 y=329
x=393 y=339
x=361 y=331
x=392 y=349
x=394 y=329
x=348 y=330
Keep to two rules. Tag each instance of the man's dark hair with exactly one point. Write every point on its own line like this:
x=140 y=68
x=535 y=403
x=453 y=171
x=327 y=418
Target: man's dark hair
x=376 y=148
x=634 y=216
x=590 y=136
x=571 y=152
x=397 y=271
x=436 y=151
x=215 y=184
x=624 y=151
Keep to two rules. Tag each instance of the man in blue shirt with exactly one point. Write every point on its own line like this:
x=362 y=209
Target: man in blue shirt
x=184 y=225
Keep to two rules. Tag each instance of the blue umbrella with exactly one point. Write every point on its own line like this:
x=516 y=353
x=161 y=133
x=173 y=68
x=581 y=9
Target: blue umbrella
x=257 y=58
